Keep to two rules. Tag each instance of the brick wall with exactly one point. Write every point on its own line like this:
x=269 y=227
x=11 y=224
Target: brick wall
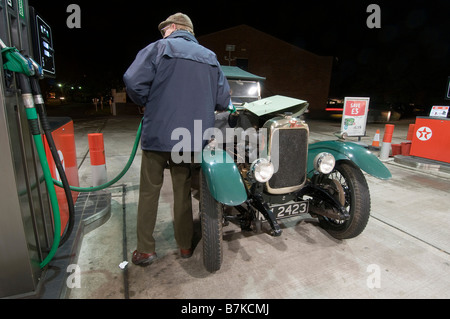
x=289 y=70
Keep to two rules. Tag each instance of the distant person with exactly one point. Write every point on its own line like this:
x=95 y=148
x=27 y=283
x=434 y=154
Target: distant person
x=95 y=101
x=178 y=81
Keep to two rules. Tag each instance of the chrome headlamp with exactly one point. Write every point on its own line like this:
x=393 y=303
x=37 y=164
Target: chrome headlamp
x=324 y=163
x=262 y=170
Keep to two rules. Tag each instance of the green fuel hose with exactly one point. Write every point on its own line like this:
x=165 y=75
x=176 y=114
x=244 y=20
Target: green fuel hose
x=115 y=179
x=50 y=182
x=35 y=132
x=40 y=108
x=23 y=68
x=53 y=199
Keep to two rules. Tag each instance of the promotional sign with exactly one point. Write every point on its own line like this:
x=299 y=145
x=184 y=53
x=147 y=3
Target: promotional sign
x=354 y=117
x=439 y=111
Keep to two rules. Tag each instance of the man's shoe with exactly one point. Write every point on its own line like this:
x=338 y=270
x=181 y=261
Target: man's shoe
x=142 y=258
x=186 y=253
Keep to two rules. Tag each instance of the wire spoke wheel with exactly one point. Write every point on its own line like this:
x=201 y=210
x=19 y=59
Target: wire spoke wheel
x=349 y=186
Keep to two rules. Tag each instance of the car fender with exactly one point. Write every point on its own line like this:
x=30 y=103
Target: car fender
x=356 y=153
x=223 y=177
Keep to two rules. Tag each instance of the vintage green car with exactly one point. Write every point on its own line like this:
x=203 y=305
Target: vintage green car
x=264 y=168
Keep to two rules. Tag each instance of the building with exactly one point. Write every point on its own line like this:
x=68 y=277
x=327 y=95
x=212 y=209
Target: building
x=288 y=69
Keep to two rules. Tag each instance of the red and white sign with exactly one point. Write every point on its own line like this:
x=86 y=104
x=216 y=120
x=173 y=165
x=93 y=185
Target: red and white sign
x=432 y=139
x=355 y=108
x=354 y=117
x=424 y=133
x=439 y=111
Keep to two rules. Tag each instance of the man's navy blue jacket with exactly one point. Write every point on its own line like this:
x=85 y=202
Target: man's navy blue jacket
x=180 y=83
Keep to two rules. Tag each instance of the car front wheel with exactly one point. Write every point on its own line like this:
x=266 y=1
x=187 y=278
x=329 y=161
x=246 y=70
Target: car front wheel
x=211 y=215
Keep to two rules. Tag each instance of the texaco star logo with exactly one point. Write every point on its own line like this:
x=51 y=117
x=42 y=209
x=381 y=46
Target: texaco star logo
x=424 y=133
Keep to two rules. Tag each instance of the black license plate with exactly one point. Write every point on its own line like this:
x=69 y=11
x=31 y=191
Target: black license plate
x=287 y=210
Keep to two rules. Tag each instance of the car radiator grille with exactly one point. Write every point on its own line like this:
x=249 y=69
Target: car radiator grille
x=288 y=151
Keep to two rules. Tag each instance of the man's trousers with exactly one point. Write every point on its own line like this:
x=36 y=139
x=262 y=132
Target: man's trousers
x=152 y=177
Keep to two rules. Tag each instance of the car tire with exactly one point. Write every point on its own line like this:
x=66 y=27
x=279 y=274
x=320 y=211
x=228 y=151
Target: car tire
x=357 y=202
x=211 y=215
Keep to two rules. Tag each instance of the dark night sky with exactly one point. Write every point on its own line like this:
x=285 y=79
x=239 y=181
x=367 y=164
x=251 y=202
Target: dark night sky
x=407 y=58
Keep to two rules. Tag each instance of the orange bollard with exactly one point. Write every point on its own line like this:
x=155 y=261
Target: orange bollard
x=388 y=132
x=387 y=139
x=97 y=155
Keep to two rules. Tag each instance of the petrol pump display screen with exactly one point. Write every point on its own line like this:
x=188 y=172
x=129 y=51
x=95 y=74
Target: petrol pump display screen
x=43 y=45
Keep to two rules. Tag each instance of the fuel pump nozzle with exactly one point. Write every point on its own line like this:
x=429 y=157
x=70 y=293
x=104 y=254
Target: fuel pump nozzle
x=35 y=88
x=14 y=61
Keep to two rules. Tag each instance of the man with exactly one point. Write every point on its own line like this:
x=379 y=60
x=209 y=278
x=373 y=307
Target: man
x=180 y=83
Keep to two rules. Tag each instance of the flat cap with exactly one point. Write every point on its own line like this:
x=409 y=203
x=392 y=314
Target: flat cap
x=177 y=18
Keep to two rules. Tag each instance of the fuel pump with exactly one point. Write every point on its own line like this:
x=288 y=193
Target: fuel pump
x=27 y=67
x=24 y=68
x=30 y=223
x=28 y=73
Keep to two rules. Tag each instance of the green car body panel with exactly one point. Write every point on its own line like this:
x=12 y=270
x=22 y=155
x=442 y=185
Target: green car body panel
x=356 y=153
x=223 y=177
